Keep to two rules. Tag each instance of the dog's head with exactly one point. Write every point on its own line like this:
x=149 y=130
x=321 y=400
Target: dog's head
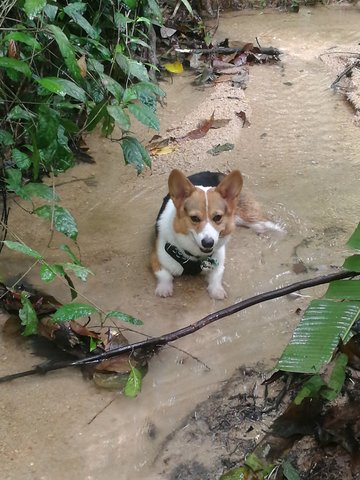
x=206 y=214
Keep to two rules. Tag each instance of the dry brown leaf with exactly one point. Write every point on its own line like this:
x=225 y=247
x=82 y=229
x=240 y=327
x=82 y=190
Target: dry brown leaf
x=82 y=65
x=201 y=131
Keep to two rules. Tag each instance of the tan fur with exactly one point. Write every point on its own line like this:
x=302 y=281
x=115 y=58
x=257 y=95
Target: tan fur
x=154 y=261
x=249 y=209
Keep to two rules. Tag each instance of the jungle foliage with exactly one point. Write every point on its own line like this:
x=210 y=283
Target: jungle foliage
x=67 y=67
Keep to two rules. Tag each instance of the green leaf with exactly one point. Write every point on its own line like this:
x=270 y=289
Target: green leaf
x=64 y=222
x=13 y=179
x=49 y=272
x=289 y=471
x=310 y=389
x=24 y=38
x=70 y=311
x=78 y=270
x=133 y=384
x=96 y=115
x=152 y=10
x=35 y=156
x=112 y=86
x=120 y=116
x=352 y=263
x=124 y=317
x=354 y=240
x=138 y=70
x=317 y=335
x=28 y=316
x=337 y=378
x=6 y=138
x=63 y=87
x=145 y=115
x=66 y=50
x=136 y=89
x=74 y=11
x=17 y=65
x=33 y=7
x=47 y=127
x=134 y=153
x=40 y=190
x=93 y=343
x=20 y=247
x=21 y=159
x=237 y=473
x=344 y=289
x=19 y=113
x=131 y=3
x=121 y=21
x=67 y=249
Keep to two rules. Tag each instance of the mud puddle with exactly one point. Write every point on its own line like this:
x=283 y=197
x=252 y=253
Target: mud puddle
x=299 y=157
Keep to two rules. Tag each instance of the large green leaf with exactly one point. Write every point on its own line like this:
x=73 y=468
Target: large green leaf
x=317 y=335
x=124 y=317
x=354 y=240
x=344 y=289
x=120 y=116
x=352 y=263
x=28 y=316
x=337 y=377
x=67 y=249
x=14 y=64
x=145 y=115
x=66 y=50
x=40 y=190
x=75 y=10
x=64 y=222
x=63 y=87
x=21 y=159
x=49 y=272
x=22 y=248
x=135 y=153
x=33 y=7
x=112 y=86
x=19 y=113
x=71 y=311
x=23 y=37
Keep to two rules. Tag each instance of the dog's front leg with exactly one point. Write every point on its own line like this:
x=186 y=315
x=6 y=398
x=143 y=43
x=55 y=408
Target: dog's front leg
x=164 y=287
x=214 y=277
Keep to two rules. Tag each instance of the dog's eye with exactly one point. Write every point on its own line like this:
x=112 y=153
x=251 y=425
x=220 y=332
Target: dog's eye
x=217 y=218
x=195 y=219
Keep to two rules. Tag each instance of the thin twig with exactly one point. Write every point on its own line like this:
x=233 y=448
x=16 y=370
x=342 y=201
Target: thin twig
x=156 y=342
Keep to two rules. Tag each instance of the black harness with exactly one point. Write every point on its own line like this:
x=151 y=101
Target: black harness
x=190 y=266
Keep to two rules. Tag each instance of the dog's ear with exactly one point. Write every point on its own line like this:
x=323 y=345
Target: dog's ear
x=179 y=187
x=230 y=187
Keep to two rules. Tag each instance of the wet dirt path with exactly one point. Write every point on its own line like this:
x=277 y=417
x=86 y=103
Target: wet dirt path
x=300 y=157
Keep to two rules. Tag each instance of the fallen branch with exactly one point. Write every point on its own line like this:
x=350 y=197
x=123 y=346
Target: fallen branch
x=228 y=50
x=345 y=72
x=156 y=342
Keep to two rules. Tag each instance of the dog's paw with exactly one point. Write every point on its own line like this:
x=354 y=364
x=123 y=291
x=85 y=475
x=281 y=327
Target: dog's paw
x=164 y=290
x=217 y=292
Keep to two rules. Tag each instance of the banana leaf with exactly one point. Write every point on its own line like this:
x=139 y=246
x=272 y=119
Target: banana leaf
x=317 y=336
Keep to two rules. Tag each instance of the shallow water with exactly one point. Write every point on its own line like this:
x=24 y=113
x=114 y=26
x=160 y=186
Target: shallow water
x=300 y=157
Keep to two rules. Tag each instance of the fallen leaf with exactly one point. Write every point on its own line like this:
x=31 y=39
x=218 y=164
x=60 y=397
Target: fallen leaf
x=242 y=116
x=175 y=67
x=162 y=150
x=217 y=149
x=201 y=131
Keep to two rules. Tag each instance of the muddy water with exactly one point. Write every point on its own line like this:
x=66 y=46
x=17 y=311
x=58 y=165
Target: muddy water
x=300 y=157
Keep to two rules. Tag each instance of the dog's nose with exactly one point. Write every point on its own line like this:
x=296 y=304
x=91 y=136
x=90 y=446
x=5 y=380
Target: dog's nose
x=207 y=242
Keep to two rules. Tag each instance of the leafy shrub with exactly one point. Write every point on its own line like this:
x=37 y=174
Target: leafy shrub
x=65 y=68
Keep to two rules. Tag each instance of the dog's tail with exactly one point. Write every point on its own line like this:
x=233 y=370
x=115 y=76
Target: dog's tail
x=249 y=214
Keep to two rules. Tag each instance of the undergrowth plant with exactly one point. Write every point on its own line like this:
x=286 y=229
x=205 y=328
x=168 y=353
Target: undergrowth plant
x=67 y=67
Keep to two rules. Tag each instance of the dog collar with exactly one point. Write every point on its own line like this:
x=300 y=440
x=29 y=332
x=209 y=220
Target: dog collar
x=190 y=266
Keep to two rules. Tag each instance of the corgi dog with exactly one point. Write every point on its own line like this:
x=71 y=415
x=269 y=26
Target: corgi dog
x=194 y=224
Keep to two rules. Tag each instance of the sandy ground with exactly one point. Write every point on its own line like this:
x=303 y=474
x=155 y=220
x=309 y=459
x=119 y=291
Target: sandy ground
x=292 y=158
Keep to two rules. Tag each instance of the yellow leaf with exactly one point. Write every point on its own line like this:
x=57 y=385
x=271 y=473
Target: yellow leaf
x=175 y=67
x=162 y=150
